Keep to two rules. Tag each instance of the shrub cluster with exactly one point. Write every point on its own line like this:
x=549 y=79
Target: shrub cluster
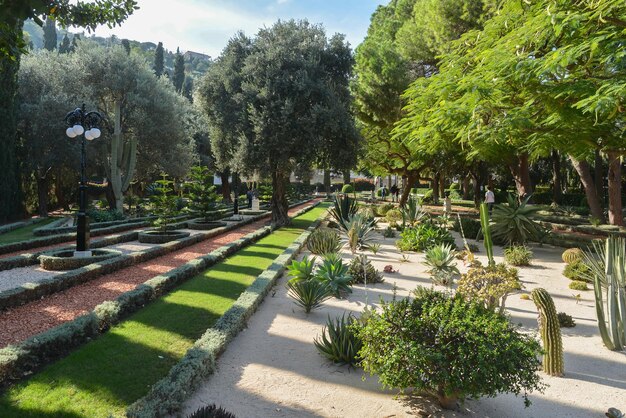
x=448 y=346
x=393 y=216
x=360 y=273
x=518 y=255
x=578 y=285
x=423 y=236
x=491 y=285
x=577 y=270
x=381 y=210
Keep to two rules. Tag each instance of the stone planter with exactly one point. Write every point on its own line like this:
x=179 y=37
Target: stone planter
x=252 y=212
x=160 y=237
x=202 y=225
x=65 y=260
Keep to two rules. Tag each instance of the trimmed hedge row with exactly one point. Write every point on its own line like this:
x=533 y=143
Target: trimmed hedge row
x=17 y=361
x=24 y=260
x=167 y=395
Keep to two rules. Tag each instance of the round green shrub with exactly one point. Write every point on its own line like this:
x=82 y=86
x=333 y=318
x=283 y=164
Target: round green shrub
x=578 y=285
x=347 y=188
x=518 y=255
x=577 y=270
x=572 y=255
x=449 y=347
x=381 y=210
x=393 y=216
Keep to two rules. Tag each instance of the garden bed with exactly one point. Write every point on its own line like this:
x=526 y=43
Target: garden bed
x=66 y=259
x=161 y=237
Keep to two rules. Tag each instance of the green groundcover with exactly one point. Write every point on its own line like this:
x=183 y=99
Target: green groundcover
x=105 y=376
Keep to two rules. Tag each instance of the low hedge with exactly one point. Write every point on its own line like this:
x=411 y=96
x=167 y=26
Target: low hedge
x=167 y=396
x=24 y=260
x=64 y=259
x=17 y=361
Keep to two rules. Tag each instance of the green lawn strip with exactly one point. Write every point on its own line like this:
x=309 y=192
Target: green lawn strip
x=108 y=374
x=24 y=233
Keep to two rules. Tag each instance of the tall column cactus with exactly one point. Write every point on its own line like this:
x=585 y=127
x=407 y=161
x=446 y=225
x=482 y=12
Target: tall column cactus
x=550 y=332
x=123 y=160
x=484 y=223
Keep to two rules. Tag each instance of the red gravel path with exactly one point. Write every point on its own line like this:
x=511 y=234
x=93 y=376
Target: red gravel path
x=32 y=318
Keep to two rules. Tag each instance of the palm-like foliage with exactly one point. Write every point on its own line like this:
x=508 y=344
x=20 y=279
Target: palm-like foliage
x=338 y=342
x=334 y=274
x=309 y=294
x=301 y=270
x=359 y=231
x=513 y=222
x=412 y=213
x=440 y=259
x=343 y=210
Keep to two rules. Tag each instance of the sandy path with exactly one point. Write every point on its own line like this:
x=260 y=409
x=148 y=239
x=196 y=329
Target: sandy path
x=32 y=318
x=272 y=369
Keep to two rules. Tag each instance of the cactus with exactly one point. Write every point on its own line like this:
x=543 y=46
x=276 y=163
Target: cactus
x=550 y=332
x=571 y=255
x=123 y=160
x=484 y=223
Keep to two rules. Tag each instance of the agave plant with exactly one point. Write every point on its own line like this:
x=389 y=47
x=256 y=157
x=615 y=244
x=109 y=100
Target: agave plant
x=334 y=274
x=323 y=241
x=513 y=222
x=309 y=294
x=412 y=213
x=343 y=210
x=359 y=231
x=338 y=342
x=301 y=270
x=440 y=258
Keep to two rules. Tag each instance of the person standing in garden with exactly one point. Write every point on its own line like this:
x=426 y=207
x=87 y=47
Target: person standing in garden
x=490 y=199
x=394 y=193
x=383 y=192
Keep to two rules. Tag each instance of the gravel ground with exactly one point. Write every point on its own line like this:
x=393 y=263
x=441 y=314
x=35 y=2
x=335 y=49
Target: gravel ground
x=33 y=318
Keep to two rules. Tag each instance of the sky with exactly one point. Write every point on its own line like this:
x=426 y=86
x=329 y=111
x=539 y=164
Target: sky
x=205 y=26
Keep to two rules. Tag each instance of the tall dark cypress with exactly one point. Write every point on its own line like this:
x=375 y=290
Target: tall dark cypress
x=65 y=46
x=179 y=71
x=158 y=60
x=50 y=35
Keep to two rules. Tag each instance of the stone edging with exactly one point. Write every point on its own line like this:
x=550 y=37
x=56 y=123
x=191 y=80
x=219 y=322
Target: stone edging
x=167 y=395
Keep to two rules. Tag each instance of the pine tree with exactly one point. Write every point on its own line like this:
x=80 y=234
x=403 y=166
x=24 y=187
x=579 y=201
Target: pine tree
x=50 y=35
x=179 y=71
x=65 y=46
x=158 y=60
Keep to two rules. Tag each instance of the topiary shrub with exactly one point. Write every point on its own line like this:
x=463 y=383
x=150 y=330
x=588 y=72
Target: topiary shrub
x=338 y=341
x=491 y=285
x=323 y=241
x=449 y=347
x=565 y=320
x=518 y=255
x=211 y=411
x=393 y=216
x=423 y=236
x=578 y=285
x=577 y=270
x=347 y=188
x=360 y=272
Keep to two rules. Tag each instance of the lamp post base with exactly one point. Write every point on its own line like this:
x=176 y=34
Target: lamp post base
x=82 y=232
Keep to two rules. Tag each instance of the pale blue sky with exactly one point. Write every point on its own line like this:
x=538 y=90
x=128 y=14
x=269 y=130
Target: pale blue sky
x=205 y=26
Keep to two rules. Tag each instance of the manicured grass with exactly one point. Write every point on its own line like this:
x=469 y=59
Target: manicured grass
x=107 y=375
x=24 y=233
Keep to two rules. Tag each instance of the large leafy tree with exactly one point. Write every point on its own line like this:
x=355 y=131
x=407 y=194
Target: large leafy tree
x=12 y=44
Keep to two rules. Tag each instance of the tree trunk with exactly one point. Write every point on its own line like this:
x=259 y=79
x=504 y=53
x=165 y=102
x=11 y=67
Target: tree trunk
x=466 y=187
x=557 y=188
x=346 y=177
x=584 y=172
x=408 y=184
x=42 y=195
x=435 y=186
x=388 y=183
x=442 y=186
x=520 y=170
x=477 y=191
x=327 y=181
x=279 y=203
x=10 y=196
x=615 y=188
x=225 y=186
x=598 y=174
x=59 y=193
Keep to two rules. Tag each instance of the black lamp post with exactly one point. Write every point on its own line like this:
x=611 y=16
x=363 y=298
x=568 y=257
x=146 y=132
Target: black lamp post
x=84 y=125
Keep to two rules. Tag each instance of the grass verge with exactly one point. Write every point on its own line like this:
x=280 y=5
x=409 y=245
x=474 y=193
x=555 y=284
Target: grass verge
x=110 y=373
x=24 y=233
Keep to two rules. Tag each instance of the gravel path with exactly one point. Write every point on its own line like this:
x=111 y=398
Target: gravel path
x=33 y=318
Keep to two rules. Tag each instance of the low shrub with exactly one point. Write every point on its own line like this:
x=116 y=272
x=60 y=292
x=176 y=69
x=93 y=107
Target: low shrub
x=309 y=294
x=360 y=272
x=347 y=188
x=423 y=236
x=368 y=212
x=577 y=270
x=578 y=285
x=381 y=210
x=393 y=216
x=362 y=185
x=565 y=320
x=96 y=215
x=323 y=241
x=211 y=411
x=338 y=341
x=449 y=347
x=490 y=285
x=518 y=255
